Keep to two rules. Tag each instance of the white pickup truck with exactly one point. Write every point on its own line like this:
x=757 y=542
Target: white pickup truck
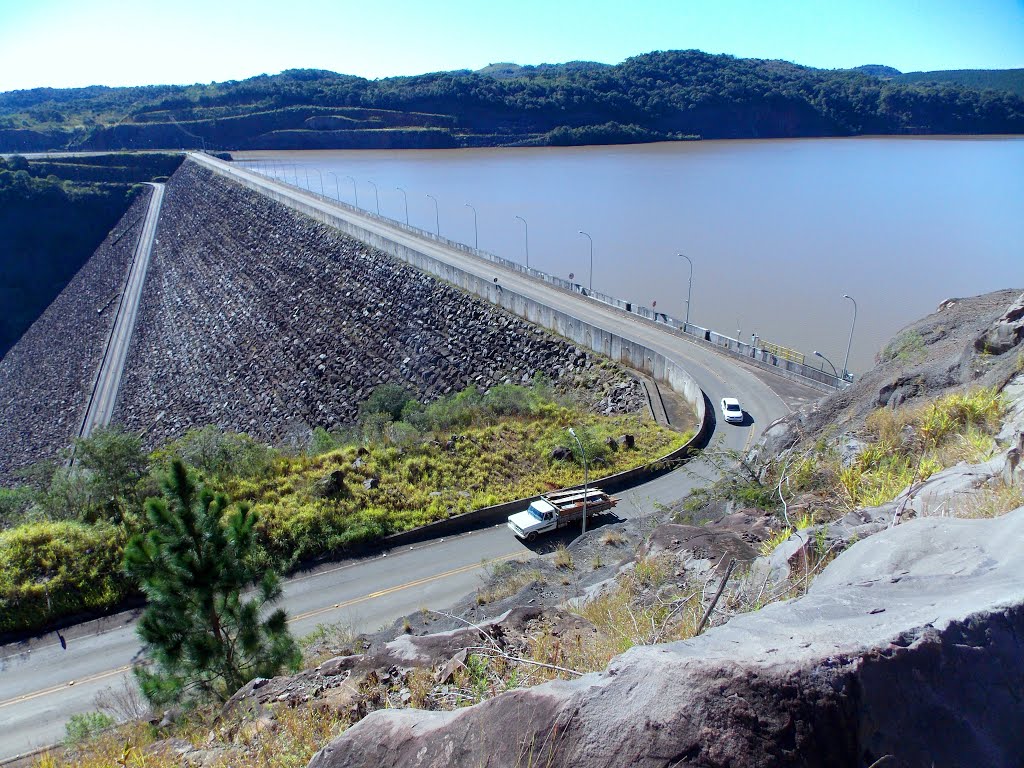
x=558 y=509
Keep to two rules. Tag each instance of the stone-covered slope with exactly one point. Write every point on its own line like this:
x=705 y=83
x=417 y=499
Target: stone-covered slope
x=258 y=319
x=46 y=378
x=910 y=644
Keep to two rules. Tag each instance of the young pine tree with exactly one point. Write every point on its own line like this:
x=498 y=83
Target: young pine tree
x=204 y=638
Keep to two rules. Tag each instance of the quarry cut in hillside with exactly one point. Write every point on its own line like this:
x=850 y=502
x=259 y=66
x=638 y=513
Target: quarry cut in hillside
x=47 y=376
x=255 y=318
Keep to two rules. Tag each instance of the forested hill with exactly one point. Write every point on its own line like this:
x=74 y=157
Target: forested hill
x=997 y=79
x=657 y=96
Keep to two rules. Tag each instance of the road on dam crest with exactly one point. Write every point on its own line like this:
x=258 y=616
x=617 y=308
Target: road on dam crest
x=42 y=683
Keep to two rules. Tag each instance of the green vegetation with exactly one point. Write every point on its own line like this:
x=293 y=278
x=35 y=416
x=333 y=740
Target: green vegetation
x=996 y=79
x=460 y=453
x=910 y=444
x=297 y=734
x=194 y=561
x=53 y=215
x=53 y=569
x=656 y=96
x=907 y=348
x=86 y=726
x=62 y=538
x=903 y=446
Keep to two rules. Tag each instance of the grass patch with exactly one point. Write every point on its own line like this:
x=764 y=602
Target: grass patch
x=290 y=741
x=388 y=487
x=505 y=580
x=908 y=347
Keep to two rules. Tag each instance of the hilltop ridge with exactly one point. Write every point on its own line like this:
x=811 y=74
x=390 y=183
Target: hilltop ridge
x=664 y=95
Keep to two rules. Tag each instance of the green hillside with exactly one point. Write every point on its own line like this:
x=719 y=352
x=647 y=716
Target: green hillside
x=997 y=79
x=656 y=96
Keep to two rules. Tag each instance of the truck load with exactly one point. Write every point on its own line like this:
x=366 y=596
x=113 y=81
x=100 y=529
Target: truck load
x=558 y=509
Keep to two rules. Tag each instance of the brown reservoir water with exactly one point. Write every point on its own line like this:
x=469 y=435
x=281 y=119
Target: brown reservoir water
x=777 y=230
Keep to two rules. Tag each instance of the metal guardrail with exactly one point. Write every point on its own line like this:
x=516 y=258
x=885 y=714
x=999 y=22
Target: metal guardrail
x=768 y=356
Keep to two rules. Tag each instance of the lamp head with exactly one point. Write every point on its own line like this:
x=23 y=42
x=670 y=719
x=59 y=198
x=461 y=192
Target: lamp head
x=572 y=431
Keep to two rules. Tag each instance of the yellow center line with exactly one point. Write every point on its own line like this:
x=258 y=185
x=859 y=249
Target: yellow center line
x=64 y=686
x=400 y=587
x=298 y=617
x=750 y=437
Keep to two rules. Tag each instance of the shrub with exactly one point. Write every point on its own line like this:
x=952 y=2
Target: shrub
x=52 y=569
x=219 y=455
x=84 y=726
x=510 y=400
x=14 y=505
x=388 y=399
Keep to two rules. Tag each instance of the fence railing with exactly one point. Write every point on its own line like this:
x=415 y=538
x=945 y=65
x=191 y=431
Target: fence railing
x=767 y=356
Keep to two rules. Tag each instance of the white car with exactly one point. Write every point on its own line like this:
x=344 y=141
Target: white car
x=731 y=410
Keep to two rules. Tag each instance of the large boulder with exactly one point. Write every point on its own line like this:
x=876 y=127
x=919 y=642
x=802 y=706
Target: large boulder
x=1005 y=333
x=910 y=644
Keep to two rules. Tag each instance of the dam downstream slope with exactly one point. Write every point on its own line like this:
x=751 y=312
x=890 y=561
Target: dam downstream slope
x=47 y=376
x=256 y=318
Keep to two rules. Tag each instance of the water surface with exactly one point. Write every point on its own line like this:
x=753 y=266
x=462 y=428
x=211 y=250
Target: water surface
x=778 y=230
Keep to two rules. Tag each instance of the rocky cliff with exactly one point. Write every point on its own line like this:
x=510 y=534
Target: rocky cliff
x=257 y=319
x=911 y=644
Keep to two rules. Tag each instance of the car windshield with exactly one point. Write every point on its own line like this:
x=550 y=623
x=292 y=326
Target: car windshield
x=732 y=406
x=535 y=512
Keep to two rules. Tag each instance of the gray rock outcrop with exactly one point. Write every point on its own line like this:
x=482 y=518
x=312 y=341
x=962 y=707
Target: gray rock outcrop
x=910 y=644
x=1005 y=333
x=927 y=358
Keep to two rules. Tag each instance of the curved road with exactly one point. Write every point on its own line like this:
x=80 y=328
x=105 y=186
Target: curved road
x=42 y=682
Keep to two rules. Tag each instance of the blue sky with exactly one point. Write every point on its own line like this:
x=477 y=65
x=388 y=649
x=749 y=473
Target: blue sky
x=69 y=43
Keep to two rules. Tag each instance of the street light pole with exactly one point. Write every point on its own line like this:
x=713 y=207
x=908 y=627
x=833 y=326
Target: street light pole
x=337 y=186
x=526 y=239
x=376 y=195
x=591 y=259
x=355 y=190
x=476 y=232
x=586 y=478
x=406 y=198
x=846 y=365
x=437 y=216
x=834 y=371
x=317 y=170
x=689 y=289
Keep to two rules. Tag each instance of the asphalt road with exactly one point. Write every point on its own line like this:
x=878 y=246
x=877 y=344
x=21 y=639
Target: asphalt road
x=108 y=380
x=42 y=682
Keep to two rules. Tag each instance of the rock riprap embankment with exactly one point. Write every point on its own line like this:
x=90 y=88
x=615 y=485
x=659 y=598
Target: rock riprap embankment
x=47 y=377
x=258 y=319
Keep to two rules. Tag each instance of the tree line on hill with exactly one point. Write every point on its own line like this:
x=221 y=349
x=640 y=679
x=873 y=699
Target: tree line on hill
x=656 y=96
